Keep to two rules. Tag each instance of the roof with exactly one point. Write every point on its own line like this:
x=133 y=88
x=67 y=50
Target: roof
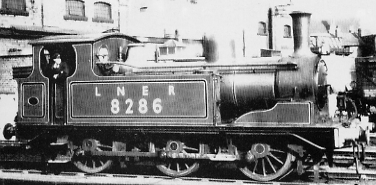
x=45 y=29
x=32 y=32
x=321 y=35
x=173 y=43
x=79 y=38
x=329 y=39
x=350 y=39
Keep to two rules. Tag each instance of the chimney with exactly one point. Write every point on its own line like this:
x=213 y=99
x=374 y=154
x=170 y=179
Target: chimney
x=359 y=32
x=177 y=36
x=300 y=26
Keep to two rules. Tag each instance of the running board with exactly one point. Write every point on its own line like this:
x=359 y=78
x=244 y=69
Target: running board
x=212 y=157
x=60 y=159
x=11 y=143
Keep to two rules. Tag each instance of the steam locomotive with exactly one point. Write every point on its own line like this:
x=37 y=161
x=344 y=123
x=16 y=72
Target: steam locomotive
x=269 y=116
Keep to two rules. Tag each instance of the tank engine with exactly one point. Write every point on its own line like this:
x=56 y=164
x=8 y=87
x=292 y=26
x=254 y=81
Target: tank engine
x=266 y=115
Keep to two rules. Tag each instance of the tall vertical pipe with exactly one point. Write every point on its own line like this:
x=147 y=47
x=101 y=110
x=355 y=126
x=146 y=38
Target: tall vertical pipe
x=300 y=25
x=270 y=28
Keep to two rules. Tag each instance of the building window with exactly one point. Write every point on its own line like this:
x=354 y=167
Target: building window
x=262 y=28
x=287 y=31
x=75 y=10
x=14 y=7
x=102 y=12
x=163 y=51
x=143 y=9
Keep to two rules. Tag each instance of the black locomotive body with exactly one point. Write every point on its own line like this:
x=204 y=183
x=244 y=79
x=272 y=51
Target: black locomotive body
x=266 y=115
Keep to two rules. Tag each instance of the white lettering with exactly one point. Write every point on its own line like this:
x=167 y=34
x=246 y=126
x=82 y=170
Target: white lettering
x=145 y=91
x=96 y=92
x=157 y=107
x=171 y=90
x=129 y=109
x=117 y=105
x=143 y=108
x=120 y=91
x=115 y=108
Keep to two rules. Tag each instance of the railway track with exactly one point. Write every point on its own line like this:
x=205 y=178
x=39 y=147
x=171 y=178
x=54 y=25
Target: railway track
x=37 y=175
x=10 y=176
x=344 y=172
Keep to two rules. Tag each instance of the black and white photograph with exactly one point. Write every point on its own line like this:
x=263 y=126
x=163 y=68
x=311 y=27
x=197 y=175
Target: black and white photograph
x=178 y=92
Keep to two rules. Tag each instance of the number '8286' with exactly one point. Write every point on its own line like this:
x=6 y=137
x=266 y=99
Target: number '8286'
x=142 y=106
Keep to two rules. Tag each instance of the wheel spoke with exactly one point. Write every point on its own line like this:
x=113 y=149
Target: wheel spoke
x=275 y=150
x=263 y=167
x=254 y=168
x=271 y=164
x=93 y=162
x=275 y=158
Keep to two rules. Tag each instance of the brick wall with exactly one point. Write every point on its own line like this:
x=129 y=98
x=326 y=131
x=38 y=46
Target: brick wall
x=8 y=87
x=54 y=12
x=15 y=46
x=7 y=84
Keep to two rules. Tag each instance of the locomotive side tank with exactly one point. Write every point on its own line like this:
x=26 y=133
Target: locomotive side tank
x=264 y=115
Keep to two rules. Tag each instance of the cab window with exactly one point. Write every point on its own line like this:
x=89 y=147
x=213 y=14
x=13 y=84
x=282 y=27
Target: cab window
x=57 y=62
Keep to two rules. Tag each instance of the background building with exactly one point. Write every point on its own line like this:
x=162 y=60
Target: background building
x=250 y=25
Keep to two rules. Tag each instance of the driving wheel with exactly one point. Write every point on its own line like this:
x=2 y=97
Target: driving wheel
x=175 y=165
x=265 y=163
x=91 y=163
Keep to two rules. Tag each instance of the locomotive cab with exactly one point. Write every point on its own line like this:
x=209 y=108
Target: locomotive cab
x=44 y=88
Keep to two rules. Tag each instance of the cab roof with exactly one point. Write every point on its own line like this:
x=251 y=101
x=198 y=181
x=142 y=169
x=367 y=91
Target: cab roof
x=79 y=38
